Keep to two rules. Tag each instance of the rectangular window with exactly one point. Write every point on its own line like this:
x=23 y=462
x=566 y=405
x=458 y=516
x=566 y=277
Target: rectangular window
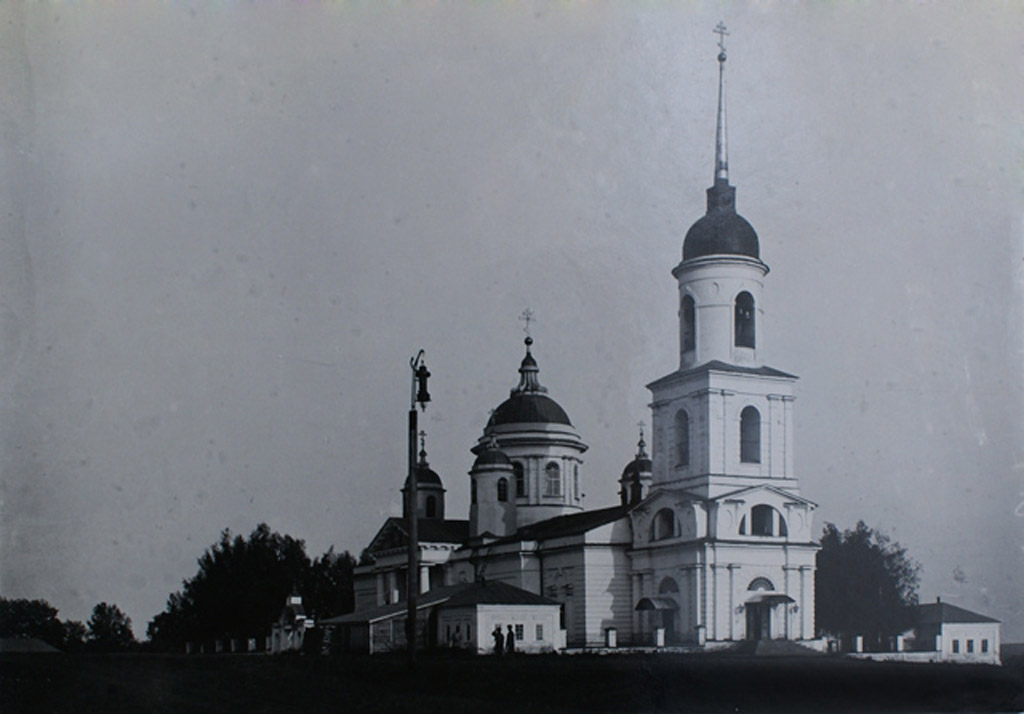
x=984 y=646
x=970 y=646
x=956 y=646
x=519 y=633
x=540 y=632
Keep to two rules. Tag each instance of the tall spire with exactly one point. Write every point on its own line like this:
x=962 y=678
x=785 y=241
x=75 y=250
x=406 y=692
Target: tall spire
x=721 y=153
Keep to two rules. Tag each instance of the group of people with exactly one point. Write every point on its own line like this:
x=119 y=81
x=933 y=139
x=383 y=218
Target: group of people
x=504 y=643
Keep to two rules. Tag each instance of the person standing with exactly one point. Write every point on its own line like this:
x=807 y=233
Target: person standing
x=510 y=641
x=499 y=640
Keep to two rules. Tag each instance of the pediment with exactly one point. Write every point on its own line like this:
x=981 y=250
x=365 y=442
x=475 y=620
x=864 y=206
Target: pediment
x=664 y=498
x=764 y=492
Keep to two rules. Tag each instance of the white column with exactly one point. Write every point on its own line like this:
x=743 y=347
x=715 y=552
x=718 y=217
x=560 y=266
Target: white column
x=636 y=593
x=424 y=578
x=787 y=453
x=732 y=617
x=713 y=615
x=786 y=589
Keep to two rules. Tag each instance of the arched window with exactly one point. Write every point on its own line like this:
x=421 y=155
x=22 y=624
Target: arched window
x=750 y=436
x=744 y=320
x=472 y=491
x=431 y=507
x=520 y=476
x=552 y=480
x=689 y=324
x=767 y=521
x=502 y=489
x=682 y=438
x=761 y=583
x=664 y=525
x=576 y=481
x=668 y=585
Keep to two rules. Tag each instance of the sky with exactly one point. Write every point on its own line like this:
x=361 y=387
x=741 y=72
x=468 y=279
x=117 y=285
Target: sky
x=226 y=227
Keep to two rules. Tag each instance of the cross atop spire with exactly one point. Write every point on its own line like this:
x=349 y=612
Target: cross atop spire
x=423 y=446
x=527 y=317
x=722 y=33
x=640 y=452
x=721 y=154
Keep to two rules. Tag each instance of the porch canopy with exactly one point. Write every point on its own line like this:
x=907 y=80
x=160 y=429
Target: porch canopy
x=656 y=603
x=770 y=598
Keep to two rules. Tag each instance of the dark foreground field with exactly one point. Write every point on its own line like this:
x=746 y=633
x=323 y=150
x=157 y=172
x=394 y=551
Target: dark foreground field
x=634 y=683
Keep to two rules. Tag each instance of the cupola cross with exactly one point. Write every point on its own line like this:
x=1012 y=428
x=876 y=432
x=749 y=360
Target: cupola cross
x=527 y=317
x=722 y=34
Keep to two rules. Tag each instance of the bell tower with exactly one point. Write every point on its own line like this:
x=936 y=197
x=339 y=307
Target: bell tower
x=724 y=419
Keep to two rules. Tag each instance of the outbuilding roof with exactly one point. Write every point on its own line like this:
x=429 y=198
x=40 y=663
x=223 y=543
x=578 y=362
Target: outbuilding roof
x=936 y=613
x=495 y=592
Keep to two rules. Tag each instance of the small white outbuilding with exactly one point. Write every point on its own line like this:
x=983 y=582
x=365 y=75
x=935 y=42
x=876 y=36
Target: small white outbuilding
x=470 y=617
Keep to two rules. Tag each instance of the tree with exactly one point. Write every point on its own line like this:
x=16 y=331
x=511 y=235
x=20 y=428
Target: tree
x=864 y=584
x=74 y=636
x=31 y=618
x=110 y=630
x=241 y=587
x=328 y=588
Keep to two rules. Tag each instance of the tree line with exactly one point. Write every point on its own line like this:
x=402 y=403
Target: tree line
x=108 y=629
x=864 y=584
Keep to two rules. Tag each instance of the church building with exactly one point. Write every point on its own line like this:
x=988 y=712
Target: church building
x=711 y=542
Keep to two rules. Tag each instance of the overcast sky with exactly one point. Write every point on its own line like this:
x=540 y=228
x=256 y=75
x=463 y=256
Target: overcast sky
x=226 y=227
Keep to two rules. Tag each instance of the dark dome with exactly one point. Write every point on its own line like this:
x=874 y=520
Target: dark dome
x=721 y=233
x=491 y=456
x=529 y=407
x=425 y=474
x=641 y=464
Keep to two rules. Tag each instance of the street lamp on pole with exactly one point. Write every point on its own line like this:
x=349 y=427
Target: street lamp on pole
x=419 y=395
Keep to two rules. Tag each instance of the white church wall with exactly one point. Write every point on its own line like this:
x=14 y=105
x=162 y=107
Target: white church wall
x=564 y=579
x=607 y=593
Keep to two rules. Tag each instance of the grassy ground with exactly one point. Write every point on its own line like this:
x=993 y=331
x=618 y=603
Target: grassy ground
x=636 y=683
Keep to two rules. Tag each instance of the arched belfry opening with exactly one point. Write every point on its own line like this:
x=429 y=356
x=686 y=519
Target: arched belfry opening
x=689 y=323
x=744 y=320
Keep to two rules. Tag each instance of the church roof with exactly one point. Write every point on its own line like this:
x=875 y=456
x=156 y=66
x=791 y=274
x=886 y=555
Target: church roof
x=572 y=524
x=719 y=366
x=495 y=592
x=936 y=613
x=429 y=530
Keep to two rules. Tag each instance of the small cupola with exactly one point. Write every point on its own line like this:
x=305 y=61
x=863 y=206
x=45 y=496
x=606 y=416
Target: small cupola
x=429 y=489
x=492 y=503
x=635 y=481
